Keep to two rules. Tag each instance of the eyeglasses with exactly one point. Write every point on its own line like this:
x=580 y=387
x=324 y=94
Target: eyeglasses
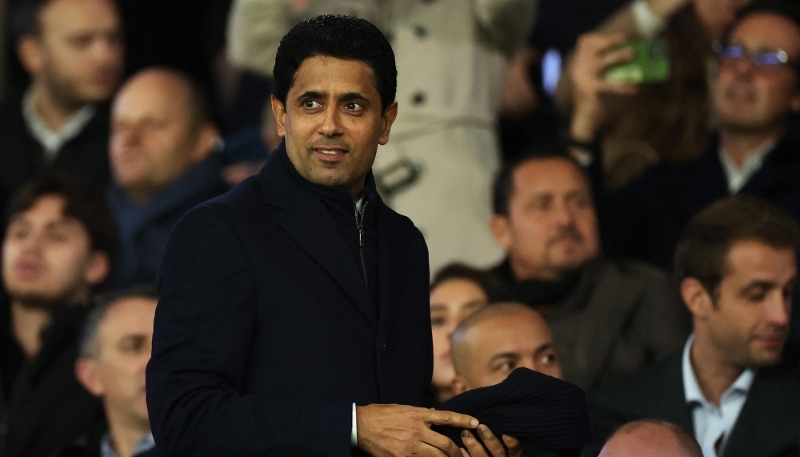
x=765 y=59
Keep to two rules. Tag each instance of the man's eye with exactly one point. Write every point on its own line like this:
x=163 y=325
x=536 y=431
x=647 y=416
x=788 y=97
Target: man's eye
x=507 y=365
x=353 y=106
x=311 y=104
x=437 y=321
x=549 y=359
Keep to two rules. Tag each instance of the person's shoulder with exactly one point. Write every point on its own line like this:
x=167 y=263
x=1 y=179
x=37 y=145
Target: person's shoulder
x=398 y=220
x=639 y=271
x=636 y=391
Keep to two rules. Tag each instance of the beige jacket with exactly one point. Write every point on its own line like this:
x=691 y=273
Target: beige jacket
x=451 y=58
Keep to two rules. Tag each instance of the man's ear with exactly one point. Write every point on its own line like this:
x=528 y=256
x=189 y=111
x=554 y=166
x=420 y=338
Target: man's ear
x=207 y=138
x=29 y=50
x=279 y=111
x=87 y=372
x=98 y=268
x=388 y=119
x=794 y=104
x=459 y=385
x=500 y=231
x=696 y=298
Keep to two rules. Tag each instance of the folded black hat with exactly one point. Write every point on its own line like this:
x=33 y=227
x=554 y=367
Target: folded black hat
x=549 y=416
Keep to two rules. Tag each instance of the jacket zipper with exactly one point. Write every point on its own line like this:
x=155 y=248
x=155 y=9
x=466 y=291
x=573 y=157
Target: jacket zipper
x=360 y=225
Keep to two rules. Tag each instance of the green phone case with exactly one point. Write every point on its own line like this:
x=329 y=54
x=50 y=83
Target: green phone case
x=650 y=64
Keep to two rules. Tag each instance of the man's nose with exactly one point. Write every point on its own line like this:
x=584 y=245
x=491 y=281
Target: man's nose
x=778 y=311
x=331 y=122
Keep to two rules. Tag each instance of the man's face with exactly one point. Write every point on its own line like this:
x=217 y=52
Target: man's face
x=749 y=323
x=755 y=99
x=333 y=122
x=154 y=139
x=79 y=53
x=452 y=301
x=125 y=338
x=504 y=343
x=551 y=228
x=47 y=256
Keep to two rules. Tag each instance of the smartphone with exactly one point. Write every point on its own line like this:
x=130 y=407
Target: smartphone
x=649 y=65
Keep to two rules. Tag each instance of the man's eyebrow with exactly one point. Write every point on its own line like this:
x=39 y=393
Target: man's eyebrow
x=543 y=348
x=310 y=94
x=352 y=96
x=504 y=355
x=438 y=307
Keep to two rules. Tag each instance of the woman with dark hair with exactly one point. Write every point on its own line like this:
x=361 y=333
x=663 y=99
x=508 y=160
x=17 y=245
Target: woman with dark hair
x=457 y=291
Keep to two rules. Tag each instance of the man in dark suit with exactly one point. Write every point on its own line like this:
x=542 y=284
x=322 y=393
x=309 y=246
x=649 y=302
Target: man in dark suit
x=73 y=52
x=757 y=98
x=293 y=309
x=736 y=266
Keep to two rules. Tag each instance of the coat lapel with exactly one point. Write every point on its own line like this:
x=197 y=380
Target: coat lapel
x=308 y=222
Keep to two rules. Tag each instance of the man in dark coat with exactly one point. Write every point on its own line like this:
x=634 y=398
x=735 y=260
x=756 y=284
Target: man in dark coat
x=73 y=51
x=729 y=386
x=56 y=252
x=294 y=308
x=159 y=173
x=755 y=151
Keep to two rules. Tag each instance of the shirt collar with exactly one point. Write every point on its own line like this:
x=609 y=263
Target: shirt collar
x=53 y=141
x=144 y=444
x=691 y=387
x=738 y=177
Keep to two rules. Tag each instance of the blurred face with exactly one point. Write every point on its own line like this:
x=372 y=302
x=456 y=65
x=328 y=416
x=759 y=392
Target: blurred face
x=749 y=324
x=551 y=228
x=504 y=343
x=79 y=53
x=756 y=99
x=125 y=340
x=451 y=302
x=718 y=15
x=333 y=122
x=154 y=136
x=47 y=256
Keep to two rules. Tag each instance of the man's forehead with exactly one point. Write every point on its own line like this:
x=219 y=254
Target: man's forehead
x=316 y=73
x=767 y=30
x=77 y=17
x=753 y=260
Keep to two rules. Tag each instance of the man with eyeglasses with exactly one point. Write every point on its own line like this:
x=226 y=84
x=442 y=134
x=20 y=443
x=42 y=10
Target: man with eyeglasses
x=756 y=97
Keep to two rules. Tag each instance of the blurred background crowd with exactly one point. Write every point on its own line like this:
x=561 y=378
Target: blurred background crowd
x=552 y=152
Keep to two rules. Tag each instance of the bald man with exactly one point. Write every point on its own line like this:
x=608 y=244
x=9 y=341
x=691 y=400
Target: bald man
x=491 y=343
x=651 y=438
x=163 y=164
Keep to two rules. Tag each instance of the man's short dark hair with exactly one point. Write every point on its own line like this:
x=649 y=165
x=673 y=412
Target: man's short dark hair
x=341 y=37
x=702 y=251
x=88 y=208
x=494 y=289
x=503 y=187
x=88 y=343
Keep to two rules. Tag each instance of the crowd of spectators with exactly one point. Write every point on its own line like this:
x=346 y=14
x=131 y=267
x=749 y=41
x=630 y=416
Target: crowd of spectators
x=636 y=239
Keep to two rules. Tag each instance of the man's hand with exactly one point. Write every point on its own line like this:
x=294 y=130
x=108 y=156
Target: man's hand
x=398 y=430
x=594 y=54
x=492 y=447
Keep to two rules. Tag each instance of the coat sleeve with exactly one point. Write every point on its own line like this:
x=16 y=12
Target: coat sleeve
x=196 y=378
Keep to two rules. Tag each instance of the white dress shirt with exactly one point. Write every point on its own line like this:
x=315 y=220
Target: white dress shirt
x=712 y=422
x=53 y=141
x=738 y=177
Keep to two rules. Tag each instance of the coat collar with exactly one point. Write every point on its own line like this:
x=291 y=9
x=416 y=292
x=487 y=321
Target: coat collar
x=308 y=222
